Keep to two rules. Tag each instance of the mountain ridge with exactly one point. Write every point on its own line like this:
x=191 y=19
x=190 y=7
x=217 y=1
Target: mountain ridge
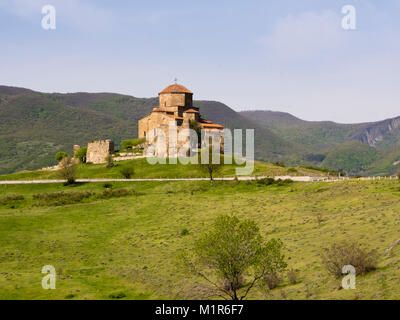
x=35 y=125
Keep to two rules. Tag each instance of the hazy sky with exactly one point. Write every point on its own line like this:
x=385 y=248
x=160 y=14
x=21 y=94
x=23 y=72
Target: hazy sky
x=286 y=55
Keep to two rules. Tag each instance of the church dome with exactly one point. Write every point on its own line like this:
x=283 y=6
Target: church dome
x=176 y=88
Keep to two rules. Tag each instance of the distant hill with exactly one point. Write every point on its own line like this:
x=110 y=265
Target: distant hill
x=34 y=126
x=334 y=145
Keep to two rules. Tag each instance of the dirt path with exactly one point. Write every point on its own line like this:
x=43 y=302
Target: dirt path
x=304 y=179
x=251 y=178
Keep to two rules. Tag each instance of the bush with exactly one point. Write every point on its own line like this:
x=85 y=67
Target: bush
x=292 y=170
x=351 y=253
x=60 y=198
x=292 y=276
x=280 y=182
x=266 y=181
x=107 y=185
x=11 y=199
x=184 y=232
x=64 y=198
x=60 y=155
x=129 y=144
x=118 y=295
x=109 y=193
x=271 y=181
x=271 y=280
x=110 y=161
x=127 y=171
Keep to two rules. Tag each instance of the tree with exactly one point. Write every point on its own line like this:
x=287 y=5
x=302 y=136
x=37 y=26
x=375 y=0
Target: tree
x=110 y=162
x=60 y=155
x=233 y=257
x=81 y=154
x=127 y=144
x=67 y=170
x=210 y=167
x=127 y=171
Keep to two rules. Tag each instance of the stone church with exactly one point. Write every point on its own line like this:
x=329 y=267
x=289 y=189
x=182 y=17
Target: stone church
x=176 y=109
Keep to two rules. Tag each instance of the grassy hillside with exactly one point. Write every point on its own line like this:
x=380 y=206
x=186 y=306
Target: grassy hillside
x=315 y=135
x=125 y=245
x=355 y=156
x=144 y=170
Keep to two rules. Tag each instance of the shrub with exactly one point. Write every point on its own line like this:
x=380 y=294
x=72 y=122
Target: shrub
x=266 y=181
x=280 y=182
x=60 y=155
x=118 y=295
x=110 y=162
x=184 y=232
x=292 y=276
x=271 y=181
x=67 y=171
x=109 y=193
x=127 y=171
x=351 y=253
x=292 y=170
x=271 y=280
x=11 y=199
x=60 y=198
x=129 y=144
x=107 y=185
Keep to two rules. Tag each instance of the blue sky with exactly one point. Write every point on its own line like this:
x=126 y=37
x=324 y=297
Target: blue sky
x=287 y=55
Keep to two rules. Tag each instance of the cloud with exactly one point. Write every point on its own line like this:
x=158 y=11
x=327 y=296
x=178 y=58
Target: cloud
x=304 y=36
x=72 y=13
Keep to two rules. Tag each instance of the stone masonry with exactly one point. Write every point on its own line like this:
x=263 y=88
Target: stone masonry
x=98 y=151
x=175 y=111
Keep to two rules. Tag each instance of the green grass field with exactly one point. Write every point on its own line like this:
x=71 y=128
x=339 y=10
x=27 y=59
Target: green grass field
x=144 y=170
x=127 y=247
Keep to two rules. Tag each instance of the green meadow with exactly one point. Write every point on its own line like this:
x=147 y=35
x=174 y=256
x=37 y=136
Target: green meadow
x=123 y=241
x=144 y=170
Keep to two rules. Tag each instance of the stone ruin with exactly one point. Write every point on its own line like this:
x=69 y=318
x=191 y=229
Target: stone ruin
x=98 y=151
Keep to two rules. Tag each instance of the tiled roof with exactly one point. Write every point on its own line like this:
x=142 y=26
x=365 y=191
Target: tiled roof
x=176 y=88
x=158 y=109
x=191 y=111
x=211 y=125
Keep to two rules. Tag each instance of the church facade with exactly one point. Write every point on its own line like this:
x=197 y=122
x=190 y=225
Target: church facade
x=175 y=110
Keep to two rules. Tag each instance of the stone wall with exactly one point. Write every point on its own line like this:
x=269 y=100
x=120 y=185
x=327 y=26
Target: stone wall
x=175 y=99
x=98 y=151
